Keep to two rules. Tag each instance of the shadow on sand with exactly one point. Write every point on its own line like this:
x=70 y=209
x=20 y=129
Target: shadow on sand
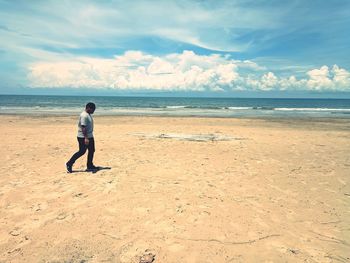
x=99 y=168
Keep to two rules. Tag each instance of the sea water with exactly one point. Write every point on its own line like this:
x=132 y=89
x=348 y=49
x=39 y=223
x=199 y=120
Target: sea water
x=176 y=106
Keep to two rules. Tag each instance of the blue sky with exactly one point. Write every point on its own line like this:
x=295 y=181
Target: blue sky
x=217 y=48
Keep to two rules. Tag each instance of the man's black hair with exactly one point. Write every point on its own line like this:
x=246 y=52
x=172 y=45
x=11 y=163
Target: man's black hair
x=90 y=105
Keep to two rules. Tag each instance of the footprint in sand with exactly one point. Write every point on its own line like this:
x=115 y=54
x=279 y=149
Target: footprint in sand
x=61 y=216
x=78 y=195
x=39 y=207
x=15 y=232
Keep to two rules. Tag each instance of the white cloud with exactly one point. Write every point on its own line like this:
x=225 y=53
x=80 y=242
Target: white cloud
x=136 y=70
x=186 y=71
x=319 y=78
x=268 y=81
x=325 y=79
x=159 y=66
x=341 y=77
x=291 y=83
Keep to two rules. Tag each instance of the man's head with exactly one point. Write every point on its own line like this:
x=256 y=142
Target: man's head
x=90 y=107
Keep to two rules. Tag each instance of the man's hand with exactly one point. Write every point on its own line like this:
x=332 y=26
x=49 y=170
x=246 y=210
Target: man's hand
x=86 y=141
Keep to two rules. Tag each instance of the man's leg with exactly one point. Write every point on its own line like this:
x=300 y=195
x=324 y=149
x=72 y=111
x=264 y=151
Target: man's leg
x=82 y=150
x=91 y=151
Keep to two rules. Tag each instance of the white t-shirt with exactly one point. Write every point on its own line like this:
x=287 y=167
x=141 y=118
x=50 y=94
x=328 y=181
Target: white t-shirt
x=85 y=119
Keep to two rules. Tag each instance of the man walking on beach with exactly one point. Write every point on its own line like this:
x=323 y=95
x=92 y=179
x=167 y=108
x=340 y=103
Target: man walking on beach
x=85 y=138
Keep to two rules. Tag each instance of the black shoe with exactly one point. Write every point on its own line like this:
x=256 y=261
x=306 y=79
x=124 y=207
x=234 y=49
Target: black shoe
x=69 y=168
x=92 y=168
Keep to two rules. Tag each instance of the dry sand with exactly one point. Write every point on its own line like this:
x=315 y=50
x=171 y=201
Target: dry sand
x=269 y=191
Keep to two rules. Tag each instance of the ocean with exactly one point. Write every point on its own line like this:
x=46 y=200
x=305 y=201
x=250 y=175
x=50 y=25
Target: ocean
x=176 y=106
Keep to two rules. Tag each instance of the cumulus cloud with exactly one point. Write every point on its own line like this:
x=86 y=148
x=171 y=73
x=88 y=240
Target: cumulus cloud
x=186 y=71
x=319 y=78
x=136 y=70
x=328 y=79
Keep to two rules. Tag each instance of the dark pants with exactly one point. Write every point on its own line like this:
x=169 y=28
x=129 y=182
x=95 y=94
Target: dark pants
x=82 y=149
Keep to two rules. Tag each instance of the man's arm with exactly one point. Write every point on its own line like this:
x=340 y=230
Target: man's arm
x=84 y=130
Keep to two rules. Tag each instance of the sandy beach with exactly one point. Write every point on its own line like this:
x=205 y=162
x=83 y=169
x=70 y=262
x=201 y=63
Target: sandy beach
x=178 y=190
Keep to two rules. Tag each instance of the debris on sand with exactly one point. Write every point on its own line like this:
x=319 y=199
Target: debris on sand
x=187 y=137
x=148 y=257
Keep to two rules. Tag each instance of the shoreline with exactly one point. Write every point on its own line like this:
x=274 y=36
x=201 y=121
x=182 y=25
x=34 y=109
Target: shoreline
x=289 y=117
x=322 y=123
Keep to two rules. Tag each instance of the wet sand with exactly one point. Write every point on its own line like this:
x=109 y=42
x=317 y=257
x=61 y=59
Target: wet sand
x=246 y=191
